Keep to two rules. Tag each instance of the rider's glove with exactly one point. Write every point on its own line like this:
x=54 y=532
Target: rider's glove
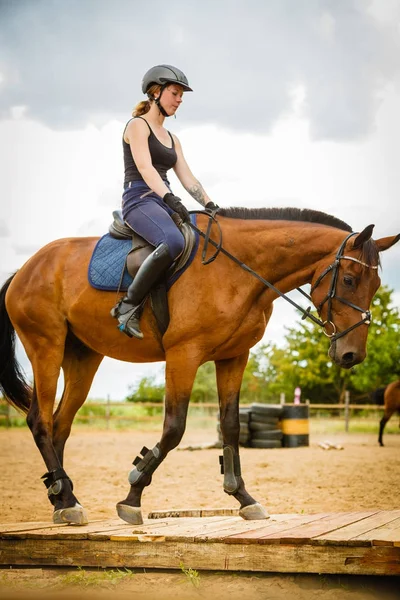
x=211 y=206
x=176 y=205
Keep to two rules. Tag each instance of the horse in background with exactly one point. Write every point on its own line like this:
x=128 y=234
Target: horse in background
x=388 y=396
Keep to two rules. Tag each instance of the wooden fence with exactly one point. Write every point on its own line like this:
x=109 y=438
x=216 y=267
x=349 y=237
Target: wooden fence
x=207 y=411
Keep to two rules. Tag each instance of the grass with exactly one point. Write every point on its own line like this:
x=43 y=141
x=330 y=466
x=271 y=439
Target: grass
x=105 y=577
x=192 y=576
x=130 y=416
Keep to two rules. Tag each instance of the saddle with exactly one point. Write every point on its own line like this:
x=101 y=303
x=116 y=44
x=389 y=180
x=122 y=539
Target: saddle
x=140 y=251
x=141 y=248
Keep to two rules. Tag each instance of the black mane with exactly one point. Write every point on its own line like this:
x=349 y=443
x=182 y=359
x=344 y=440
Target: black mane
x=284 y=214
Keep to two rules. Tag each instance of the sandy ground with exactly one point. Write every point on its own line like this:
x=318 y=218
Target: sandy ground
x=360 y=476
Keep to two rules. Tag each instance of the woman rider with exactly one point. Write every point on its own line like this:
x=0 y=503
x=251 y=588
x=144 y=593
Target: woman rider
x=150 y=151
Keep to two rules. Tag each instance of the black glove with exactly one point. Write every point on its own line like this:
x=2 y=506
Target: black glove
x=211 y=206
x=176 y=204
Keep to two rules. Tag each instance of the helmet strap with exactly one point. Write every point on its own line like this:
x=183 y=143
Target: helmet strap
x=158 y=101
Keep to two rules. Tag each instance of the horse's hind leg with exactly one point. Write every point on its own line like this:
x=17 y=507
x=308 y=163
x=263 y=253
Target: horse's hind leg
x=386 y=416
x=229 y=379
x=180 y=374
x=46 y=357
x=79 y=366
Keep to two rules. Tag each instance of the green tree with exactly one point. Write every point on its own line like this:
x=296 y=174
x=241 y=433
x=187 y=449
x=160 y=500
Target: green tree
x=304 y=360
x=204 y=386
x=382 y=364
x=147 y=390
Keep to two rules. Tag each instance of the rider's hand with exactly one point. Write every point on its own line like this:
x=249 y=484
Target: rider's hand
x=176 y=205
x=211 y=206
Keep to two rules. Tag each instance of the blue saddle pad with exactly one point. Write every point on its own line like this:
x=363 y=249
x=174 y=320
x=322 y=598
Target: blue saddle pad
x=107 y=268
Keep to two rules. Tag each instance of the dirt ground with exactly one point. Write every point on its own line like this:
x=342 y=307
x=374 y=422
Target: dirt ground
x=293 y=480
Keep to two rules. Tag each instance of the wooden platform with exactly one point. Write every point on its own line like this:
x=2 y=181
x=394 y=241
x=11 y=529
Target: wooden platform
x=365 y=542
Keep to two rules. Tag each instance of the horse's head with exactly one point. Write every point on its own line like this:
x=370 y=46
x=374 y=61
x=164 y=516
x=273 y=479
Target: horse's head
x=342 y=290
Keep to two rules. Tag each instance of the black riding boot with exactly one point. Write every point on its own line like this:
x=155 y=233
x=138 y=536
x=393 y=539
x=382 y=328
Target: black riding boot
x=129 y=310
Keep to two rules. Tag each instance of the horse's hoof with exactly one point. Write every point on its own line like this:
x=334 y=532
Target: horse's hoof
x=253 y=512
x=130 y=514
x=74 y=515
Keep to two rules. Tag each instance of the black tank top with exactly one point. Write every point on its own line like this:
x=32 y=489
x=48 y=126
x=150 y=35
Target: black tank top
x=162 y=157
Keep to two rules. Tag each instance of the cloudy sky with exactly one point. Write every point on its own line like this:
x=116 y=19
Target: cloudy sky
x=295 y=103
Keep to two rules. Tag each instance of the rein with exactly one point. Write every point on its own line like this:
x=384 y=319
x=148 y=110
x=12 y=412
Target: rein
x=366 y=314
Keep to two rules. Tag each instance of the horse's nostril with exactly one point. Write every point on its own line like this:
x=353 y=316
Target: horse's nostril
x=348 y=358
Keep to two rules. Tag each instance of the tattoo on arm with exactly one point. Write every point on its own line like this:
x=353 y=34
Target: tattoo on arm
x=197 y=192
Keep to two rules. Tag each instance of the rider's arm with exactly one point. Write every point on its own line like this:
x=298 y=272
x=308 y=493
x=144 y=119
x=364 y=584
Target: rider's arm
x=137 y=135
x=186 y=177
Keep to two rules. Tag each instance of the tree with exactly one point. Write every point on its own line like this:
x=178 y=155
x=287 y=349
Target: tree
x=204 y=386
x=382 y=364
x=147 y=390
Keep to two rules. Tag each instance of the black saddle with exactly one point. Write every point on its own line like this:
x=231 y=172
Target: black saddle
x=141 y=250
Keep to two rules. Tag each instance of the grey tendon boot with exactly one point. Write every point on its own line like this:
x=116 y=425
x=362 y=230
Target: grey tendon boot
x=129 y=310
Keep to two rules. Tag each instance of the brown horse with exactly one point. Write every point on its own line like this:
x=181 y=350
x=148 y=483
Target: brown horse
x=391 y=399
x=217 y=312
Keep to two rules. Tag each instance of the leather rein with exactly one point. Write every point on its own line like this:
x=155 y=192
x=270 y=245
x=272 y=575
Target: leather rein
x=366 y=317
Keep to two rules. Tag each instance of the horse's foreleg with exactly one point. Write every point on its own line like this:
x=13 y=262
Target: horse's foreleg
x=229 y=379
x=180 y=374
x=79 y=366
x=46 y=362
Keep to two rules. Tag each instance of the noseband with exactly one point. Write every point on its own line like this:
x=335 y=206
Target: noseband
x=333 y=268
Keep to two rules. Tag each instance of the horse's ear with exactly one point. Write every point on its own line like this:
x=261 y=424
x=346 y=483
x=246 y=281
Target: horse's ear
x=363 y=237
x=387 y=242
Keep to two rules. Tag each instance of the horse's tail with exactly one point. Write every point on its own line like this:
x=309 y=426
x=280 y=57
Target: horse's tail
x=12 y=381
x=377 y=396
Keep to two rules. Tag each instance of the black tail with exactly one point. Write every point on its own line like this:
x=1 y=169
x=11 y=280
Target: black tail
x=377 y=396
x=12 y=381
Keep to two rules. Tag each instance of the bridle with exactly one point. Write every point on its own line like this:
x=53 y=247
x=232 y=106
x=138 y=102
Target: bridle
x=333 y=269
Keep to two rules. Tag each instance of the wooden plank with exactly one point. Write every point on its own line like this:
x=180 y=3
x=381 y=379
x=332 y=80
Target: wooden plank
x=227 y=529
x=372 y=560
x=257 y=535
x=220 y=531
x=352 y=534
x=182 y=529
x=28 y=526
x=302 y=534
x=64 y=530
x=129 y=529
x=385 y=535
x=194 y=512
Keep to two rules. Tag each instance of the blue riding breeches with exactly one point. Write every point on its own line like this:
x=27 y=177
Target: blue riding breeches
x=149 y=217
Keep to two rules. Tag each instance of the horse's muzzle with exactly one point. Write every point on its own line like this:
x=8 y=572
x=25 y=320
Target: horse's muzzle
x=345 y=357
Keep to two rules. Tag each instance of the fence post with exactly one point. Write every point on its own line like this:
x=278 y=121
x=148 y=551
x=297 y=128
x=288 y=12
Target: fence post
x=346 y=409
x=282 y=398
x=8 y=415
x=108 y=412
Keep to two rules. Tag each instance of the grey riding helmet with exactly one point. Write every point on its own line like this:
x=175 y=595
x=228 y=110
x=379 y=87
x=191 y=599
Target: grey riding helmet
x=164 y=74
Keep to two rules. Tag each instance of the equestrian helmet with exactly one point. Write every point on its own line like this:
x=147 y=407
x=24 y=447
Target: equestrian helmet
x=164 y=74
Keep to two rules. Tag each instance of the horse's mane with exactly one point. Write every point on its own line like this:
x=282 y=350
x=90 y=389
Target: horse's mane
x=284 y=214
x=369 y=254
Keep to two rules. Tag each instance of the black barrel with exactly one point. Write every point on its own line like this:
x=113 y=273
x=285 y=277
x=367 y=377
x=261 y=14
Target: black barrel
x=295 y=425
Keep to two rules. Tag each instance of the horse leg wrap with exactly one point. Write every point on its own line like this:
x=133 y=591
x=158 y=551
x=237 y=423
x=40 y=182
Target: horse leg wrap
x=146 y=464
x=230 y=469
x=54 y=481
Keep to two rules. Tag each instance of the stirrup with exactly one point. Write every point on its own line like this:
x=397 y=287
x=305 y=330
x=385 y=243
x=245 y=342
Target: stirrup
x=128 y=320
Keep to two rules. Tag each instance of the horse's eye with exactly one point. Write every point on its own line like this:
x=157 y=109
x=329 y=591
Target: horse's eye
x=348 y=280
